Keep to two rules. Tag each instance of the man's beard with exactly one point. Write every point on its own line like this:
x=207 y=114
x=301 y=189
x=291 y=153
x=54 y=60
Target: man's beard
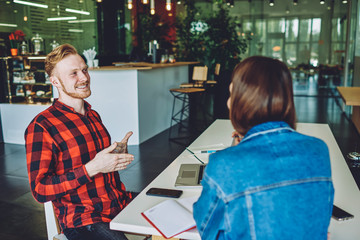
x=77 y=95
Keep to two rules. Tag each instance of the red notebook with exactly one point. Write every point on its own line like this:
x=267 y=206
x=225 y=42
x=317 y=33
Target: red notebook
x=171 y=217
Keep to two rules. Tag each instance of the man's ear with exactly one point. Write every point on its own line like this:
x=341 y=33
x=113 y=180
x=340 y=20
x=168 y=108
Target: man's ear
x=55 y=81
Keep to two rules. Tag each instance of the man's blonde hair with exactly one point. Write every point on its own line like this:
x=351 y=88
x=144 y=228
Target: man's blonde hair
x=56 y=56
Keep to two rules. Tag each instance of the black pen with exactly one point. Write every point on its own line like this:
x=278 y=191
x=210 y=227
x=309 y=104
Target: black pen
x=194 y=155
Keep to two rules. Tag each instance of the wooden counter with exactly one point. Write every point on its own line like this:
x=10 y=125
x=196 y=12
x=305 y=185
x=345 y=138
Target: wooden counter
x=351 y=97
x=140 y=66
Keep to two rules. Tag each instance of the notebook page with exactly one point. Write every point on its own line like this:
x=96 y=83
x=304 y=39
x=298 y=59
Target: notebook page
x=170 y=218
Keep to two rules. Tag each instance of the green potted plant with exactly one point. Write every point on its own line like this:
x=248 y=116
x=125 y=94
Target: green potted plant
x=190 y=39
x=222 y=43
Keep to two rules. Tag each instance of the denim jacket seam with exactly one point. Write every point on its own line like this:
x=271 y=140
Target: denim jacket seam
x=266 y=132
x=256 y=189
x=204 y=224
x=219 y=191
x=250 y=215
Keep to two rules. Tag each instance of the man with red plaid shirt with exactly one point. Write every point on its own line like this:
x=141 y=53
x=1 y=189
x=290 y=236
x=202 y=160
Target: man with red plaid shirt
x=68 y=152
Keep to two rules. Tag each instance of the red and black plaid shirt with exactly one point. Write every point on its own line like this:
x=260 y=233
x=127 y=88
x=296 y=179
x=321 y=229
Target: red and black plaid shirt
x=59 y=142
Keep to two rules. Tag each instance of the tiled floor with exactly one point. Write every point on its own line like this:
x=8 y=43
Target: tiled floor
x=21 y=217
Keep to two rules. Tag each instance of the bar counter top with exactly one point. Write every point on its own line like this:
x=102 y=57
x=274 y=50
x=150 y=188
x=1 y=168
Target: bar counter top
x=139 y=66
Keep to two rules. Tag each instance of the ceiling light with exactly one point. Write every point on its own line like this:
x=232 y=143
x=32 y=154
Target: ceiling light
x=145 y=1
x=152 y=7
x=31 y=4
x=8 y=25
x=322 y=1
x=130 y=5
x=344 y=1
x=295 y=2
x=61 y=18
x=82 y=21
x=76 y=30
x=168 y=5
x=271 y=3
x=77 y=11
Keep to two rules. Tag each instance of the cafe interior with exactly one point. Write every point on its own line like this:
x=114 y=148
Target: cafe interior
x=317 y=40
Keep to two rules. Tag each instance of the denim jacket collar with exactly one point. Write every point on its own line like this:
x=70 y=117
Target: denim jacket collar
x=265 y=128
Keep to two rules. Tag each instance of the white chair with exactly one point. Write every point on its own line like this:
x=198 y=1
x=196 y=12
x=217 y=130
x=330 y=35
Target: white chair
x=52 y=225
x=53 y=228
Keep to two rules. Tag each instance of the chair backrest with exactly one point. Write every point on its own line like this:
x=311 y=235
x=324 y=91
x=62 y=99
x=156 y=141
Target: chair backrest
x=52 y=225
x=200 y=73
x=217 y=69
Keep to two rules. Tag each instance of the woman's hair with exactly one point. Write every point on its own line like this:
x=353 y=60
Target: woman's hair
x=56 y=55
x=261 y=92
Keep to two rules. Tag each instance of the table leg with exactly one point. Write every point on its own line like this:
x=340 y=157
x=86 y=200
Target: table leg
x=355 y=117
x=154 y=237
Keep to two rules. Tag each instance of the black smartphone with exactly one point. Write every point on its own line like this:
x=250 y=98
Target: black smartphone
x=340 y=214
x=163 y=192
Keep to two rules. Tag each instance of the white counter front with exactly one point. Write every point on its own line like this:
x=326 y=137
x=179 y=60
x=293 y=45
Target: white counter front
x=135 y=100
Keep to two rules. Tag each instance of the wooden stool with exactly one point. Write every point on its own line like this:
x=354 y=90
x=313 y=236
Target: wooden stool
x=179 y=117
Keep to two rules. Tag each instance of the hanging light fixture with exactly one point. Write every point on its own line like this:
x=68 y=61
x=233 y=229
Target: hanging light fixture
x=152 y=7
x=271 y=3
x=31 y=4
x=295 y=2
x=130 y=5
x=145 y=1
x=60 y=18
x=168 y=5
x=8 y=25
x=77 y=11
x=322 y=1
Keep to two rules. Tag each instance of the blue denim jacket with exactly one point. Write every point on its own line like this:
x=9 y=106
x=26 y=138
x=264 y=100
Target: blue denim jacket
x=275 y=184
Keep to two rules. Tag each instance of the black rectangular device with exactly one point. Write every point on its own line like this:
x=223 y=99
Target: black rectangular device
x=163 y=192
x=340 y=214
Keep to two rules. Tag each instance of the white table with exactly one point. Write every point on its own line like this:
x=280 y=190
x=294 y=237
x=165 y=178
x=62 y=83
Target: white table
x=347 y=195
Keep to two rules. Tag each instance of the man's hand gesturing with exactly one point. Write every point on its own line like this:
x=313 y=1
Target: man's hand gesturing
x=109 y=160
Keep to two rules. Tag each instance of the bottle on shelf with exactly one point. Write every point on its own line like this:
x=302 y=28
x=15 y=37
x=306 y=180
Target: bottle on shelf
x=54 y=44
x=24 y=48
x=38 y=44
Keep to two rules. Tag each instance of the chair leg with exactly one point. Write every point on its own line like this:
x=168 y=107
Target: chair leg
x=179 y=117
x=172 y=114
